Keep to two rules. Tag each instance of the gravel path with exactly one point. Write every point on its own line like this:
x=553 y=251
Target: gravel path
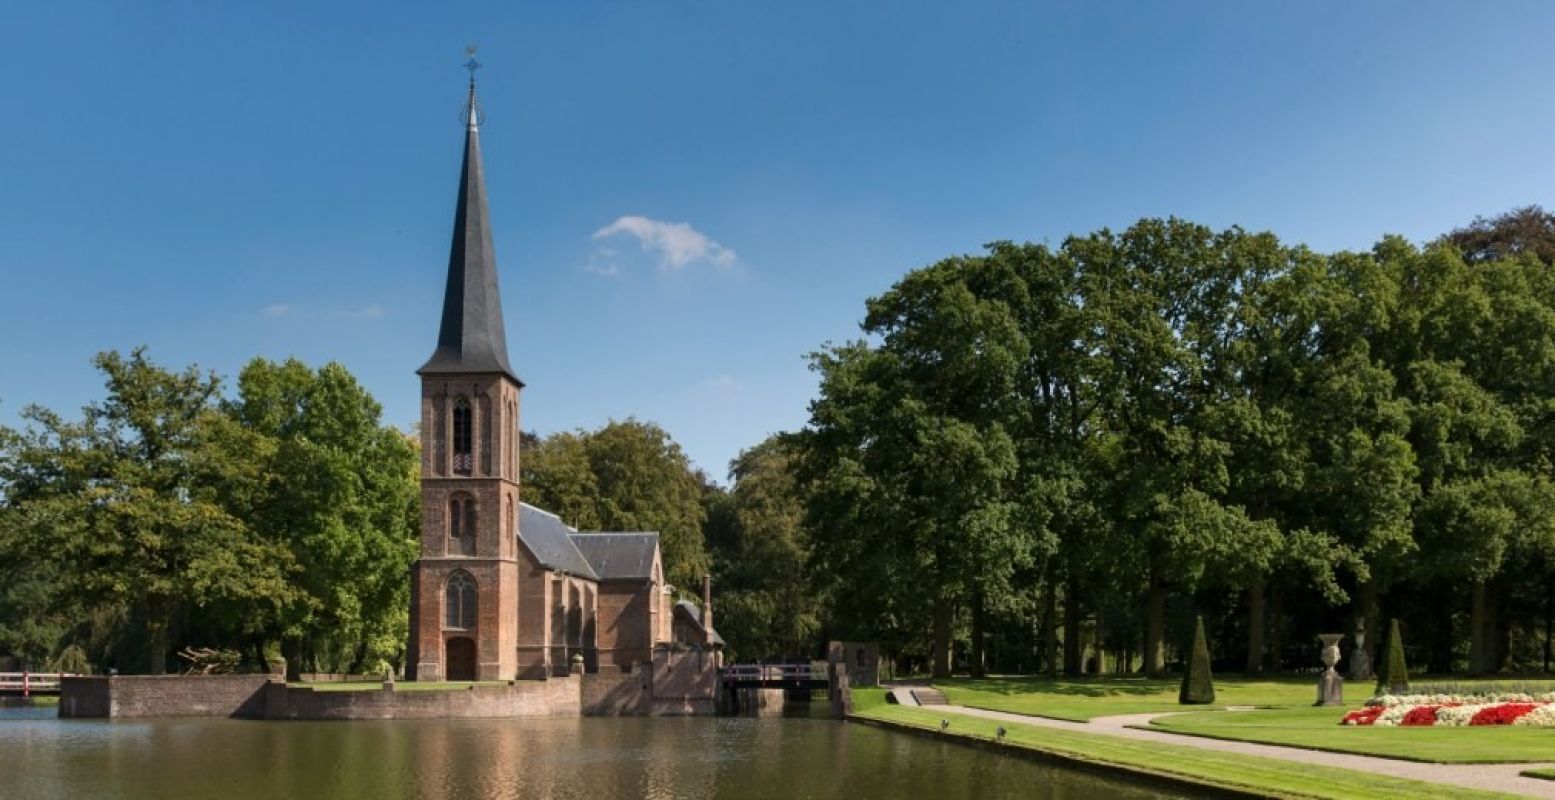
x=1489 y=777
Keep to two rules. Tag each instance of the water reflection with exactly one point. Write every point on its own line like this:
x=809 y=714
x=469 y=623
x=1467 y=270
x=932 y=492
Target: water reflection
x=598 y=759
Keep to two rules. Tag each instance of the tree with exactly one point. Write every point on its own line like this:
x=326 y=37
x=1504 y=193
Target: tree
x=759 y=550
x=625 y=476
x=1529 y=230
x=1198 y=687
x=114 y=503
x=334 y=487
x=1393 y=678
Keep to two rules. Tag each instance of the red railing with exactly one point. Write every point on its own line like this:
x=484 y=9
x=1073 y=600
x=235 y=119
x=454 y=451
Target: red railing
x=31 y=683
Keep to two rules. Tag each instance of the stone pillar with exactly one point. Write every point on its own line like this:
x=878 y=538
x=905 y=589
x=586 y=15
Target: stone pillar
x=1330 y=687
x=841 y=693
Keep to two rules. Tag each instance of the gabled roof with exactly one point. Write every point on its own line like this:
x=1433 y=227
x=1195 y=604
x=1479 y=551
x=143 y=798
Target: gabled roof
x=471 y=338
x=618 y=556
x=694 y=614
x=550 y=540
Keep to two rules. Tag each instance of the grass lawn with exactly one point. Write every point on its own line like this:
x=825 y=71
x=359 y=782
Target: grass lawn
x=1082 y=699
x=1318 y=728
x=1286 y=716
x=1268 y=776
x=404 y=686
x=1541 y=774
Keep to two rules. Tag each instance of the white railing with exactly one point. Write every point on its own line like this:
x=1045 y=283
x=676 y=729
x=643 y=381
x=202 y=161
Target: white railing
x=30 y=683
x=775 y=672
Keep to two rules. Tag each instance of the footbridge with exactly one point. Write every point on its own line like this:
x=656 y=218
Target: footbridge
x=811 y=676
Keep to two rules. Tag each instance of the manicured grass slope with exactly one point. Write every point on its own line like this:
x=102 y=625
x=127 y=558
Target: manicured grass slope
x=1265 y=776
x=1083 y=699
x=1288 y=719
x=1318 y=728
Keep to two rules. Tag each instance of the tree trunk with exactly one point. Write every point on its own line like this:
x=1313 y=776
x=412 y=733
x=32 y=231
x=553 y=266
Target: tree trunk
x=1255 y=627
x=979 y=666
x=1479 y=641
x=1367 y=609
x=939 y=657
x=358 y=657
x=156 y=644
x=259 y=654
x=1549 y=620
x=1049 y=646
x=291 y=650
x=1155 y=628
x=1072 y=651
x=1277 y=629
x=1100 y=645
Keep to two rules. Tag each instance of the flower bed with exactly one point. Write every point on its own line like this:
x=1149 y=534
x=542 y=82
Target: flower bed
x=1456 y=710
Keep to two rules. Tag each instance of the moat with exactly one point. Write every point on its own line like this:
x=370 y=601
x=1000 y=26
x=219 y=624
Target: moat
x=599 y=759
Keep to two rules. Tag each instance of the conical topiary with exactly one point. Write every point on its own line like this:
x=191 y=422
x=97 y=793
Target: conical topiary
x=1393 y=678
x=1198 y=687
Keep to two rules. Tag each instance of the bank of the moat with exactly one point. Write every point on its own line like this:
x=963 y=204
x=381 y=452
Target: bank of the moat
x=600 y=759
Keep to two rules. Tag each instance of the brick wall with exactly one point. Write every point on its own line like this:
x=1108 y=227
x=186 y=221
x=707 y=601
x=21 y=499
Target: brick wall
x=163 y=696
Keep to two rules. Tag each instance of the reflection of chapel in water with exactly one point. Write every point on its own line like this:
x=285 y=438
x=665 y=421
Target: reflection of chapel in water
x=502 y=589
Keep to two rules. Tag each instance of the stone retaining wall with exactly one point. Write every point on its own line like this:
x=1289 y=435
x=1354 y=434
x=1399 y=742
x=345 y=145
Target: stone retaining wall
x=131 y=696
x=674 y=684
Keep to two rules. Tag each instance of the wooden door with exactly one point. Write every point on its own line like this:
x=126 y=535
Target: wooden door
x=460 y=662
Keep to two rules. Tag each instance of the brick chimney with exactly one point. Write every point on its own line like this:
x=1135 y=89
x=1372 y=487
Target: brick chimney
x=707 y=607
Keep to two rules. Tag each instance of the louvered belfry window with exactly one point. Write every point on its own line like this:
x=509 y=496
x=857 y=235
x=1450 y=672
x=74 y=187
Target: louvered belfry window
x=464 y=461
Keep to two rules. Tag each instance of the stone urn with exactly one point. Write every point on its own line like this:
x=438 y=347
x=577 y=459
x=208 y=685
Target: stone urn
x=577 y=664
x=1330 y=687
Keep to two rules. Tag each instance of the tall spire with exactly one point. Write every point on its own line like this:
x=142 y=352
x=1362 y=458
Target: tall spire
x=472 y=337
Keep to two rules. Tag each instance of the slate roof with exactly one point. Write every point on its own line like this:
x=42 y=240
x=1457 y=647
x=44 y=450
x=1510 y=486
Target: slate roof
x=691 y=610
x=618 y=556
x=550 y=540
x=471 y=337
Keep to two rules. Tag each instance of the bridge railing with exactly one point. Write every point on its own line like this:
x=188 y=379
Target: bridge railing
x=30 y=683
x=775 y=673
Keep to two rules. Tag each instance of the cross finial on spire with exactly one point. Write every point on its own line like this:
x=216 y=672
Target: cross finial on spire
x=472 y=65
x=473 y=114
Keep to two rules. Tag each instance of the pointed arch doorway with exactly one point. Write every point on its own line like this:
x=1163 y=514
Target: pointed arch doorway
x=460 y=659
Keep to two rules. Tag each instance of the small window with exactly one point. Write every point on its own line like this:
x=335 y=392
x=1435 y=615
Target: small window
x=464 y=462
x=459 y=602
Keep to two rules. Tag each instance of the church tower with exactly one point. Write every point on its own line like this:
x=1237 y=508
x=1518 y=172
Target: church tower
x=464 y=587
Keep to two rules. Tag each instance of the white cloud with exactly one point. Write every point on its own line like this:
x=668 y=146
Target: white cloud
x=723 y=383
x=279 y=310
x=677 y=243
x=370 y=311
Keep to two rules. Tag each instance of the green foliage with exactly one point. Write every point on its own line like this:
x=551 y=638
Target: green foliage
x=71 y=660
x=625 y=476
x=168 y=515
x=1393 y=677
x=765 y=604
x=1198 y=687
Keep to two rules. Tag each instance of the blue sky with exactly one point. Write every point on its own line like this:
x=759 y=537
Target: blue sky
x=225 y=180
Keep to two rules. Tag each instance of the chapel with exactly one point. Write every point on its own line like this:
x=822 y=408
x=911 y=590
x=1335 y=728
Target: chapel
x=504 y=590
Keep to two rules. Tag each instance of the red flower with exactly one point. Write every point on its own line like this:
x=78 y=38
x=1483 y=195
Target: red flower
x=1365 y=716
x=1504 y=714
x=1420 y=715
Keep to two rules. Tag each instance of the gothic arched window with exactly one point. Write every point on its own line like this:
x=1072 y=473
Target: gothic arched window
x=461 y=524
x=464 y=462
x=459 y=603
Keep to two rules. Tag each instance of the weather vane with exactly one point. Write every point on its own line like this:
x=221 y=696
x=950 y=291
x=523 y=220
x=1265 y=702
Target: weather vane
x=472 y=65
x=472 y=112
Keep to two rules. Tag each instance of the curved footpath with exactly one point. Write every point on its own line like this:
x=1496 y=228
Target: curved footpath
x=1487 y=777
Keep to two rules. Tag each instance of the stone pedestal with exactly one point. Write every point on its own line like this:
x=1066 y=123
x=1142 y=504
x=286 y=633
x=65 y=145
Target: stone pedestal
x=1330 y=687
